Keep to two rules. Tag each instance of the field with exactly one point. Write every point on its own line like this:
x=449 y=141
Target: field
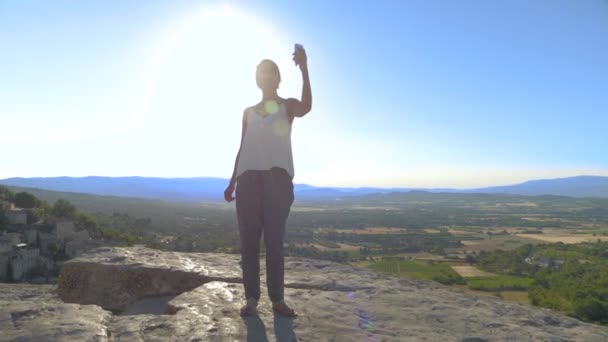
x=499 y=283
x=477 y=241
x=466 y=278
x=373 y=230
x=331 y=247
x=565 y=236
x=470 y=271
x=415 y=269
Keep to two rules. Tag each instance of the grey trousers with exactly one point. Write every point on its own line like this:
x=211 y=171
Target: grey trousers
x=263 y=202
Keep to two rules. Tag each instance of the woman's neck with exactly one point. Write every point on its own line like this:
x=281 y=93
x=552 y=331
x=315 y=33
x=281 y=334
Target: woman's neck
x=269 y=95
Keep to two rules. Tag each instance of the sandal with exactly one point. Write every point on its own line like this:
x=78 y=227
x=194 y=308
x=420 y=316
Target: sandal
x=250 y=308
x=282 y=309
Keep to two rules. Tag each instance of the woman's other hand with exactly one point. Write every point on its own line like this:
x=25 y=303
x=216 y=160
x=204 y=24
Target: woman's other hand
x=228 y=193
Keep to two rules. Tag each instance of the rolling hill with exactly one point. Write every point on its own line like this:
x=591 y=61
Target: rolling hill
x=212 y=188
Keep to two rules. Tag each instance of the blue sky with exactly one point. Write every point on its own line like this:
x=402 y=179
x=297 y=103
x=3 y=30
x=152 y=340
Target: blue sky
x=406 y=93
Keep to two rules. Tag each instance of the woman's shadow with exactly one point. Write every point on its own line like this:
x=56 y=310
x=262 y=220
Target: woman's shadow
x=283 y=329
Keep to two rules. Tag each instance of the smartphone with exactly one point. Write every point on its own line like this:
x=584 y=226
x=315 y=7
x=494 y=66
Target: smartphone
x=298 y=47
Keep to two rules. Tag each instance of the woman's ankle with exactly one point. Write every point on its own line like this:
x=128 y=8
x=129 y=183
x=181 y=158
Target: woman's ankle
x=252 y=302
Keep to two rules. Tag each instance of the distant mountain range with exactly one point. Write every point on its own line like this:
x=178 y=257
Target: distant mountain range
x=580 y=186
x=211 y=189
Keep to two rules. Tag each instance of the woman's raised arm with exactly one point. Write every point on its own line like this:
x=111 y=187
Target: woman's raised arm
x=299 y=108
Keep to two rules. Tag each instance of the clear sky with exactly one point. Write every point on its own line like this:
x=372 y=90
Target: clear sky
x=406 y=93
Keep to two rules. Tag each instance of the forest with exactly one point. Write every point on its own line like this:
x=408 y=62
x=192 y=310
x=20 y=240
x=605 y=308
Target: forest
x=572 y=278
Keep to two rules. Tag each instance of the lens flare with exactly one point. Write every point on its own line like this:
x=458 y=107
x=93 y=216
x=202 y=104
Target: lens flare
x=271 y=106
x=365 y=322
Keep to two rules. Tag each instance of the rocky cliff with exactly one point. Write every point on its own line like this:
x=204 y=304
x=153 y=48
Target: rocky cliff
x=139 y=294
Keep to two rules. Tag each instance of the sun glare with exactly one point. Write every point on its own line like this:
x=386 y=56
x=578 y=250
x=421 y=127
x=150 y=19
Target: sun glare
x=201 y=76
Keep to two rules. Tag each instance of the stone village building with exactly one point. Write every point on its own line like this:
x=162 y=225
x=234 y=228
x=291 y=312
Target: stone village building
x=31 y=249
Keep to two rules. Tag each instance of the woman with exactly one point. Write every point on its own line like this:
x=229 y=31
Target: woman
x=263 y=174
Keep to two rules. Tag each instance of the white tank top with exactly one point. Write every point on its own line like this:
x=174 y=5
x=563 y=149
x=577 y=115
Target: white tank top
x=267 y=141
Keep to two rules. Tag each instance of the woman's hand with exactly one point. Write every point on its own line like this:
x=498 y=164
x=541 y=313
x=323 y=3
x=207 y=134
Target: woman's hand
x=300 y=58
x=295 y=107
x=228 y=192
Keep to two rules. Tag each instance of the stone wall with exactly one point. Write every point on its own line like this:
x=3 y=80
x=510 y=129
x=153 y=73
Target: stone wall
x=49 y=243
x=17 y=216
x=4 y=267
x=23 y=261
x=7 y=241
x=30 y=236
x=6 y=246
x=65 y=230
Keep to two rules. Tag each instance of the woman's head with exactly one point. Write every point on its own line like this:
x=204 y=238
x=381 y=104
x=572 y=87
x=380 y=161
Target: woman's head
x=267 y=75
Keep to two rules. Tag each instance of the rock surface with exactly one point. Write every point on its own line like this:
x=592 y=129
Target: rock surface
x=165 y=296
x=35 y=313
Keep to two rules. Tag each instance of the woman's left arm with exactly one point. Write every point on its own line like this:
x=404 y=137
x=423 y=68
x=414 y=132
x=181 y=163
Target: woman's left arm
x=299 y=108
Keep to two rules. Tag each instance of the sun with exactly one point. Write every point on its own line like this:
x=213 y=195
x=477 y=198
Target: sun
x=199 y=78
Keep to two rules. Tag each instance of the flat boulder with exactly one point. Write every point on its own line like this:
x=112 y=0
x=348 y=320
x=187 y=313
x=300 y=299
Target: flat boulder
x=116 y=278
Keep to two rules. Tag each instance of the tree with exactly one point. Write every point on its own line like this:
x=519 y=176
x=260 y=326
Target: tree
x=25 y=200
x=32 y=216
x=86 y=222
x=6 y=194
x=591 y=309
x=43 y=208
x=63 y=208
